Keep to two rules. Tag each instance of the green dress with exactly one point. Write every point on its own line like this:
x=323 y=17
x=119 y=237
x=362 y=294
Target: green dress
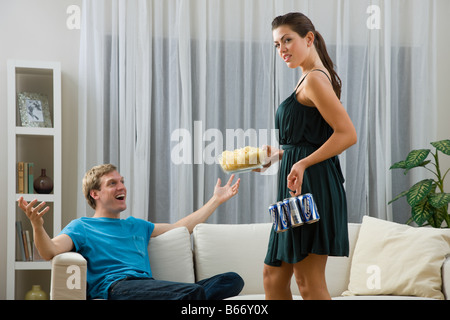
x=302 y=130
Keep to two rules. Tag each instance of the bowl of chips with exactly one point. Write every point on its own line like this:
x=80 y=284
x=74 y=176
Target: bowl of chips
x=242 y=160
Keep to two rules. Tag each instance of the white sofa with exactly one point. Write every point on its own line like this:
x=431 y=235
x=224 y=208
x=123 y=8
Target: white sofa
x=213 y=249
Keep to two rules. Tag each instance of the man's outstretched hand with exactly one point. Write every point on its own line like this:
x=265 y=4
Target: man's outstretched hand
x=226 y=192
x=34 y=213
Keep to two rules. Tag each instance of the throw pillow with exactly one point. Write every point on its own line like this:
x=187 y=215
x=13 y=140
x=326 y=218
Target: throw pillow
x=171 y=256
x=397 y=259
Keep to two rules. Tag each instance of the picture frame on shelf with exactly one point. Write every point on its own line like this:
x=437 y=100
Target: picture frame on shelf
x=34 y=110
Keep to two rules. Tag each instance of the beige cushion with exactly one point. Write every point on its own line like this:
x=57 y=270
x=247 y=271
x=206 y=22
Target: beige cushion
x=170 y=256
x=242 y=249
x=238 y=248
x=337 y=271
x=396 y=259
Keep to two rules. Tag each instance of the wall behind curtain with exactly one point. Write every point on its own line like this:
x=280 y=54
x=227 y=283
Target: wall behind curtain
x=163 y=82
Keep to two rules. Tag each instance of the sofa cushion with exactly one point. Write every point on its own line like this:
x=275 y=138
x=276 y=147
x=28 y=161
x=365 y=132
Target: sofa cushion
x=337 y=270
x=171 y=256
x=396 y=259
x=242 y=249
x=239 y=248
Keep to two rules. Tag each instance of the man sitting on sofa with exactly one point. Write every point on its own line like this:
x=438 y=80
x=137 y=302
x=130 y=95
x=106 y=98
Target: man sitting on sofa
x=116 y=249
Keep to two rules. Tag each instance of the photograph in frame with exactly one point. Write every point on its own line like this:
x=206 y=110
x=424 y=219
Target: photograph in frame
x=34 y=110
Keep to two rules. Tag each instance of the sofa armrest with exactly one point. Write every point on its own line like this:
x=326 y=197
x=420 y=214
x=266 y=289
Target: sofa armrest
x=446 y=278
x=68 y=277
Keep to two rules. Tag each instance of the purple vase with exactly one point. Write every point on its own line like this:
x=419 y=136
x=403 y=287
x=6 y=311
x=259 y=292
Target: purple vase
x=43 y=184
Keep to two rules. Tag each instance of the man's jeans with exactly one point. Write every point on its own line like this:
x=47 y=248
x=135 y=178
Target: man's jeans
x=219 y=287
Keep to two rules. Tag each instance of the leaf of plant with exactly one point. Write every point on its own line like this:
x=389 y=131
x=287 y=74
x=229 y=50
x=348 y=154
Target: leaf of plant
x=419 y=191
x=438 y=217
x=423 y=164
x=439 y=200
x=422 y=212
x=404 y=193
x=399 y=165
x=443 y=146
x=416 y=157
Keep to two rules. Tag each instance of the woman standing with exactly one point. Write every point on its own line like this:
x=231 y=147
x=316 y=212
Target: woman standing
x=314 y=128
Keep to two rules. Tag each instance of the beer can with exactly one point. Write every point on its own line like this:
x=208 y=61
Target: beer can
x=287 y=210
x=284 y=218
x=309 y=208
x=273 y=210
x=296 y=216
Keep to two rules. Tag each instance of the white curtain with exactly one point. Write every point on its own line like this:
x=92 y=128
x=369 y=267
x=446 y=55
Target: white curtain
x=166 y=85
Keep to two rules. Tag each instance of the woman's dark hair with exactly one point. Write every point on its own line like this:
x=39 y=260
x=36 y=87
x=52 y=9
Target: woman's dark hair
x=301 y=24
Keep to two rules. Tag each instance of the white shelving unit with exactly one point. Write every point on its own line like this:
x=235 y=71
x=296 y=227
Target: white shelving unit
x=41 y=146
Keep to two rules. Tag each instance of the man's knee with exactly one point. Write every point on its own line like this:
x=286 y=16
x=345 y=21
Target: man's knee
x=195 y=292
x=222 y=286
x=236 y=282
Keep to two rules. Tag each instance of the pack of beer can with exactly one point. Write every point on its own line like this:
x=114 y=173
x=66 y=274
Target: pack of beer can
x=293 y=212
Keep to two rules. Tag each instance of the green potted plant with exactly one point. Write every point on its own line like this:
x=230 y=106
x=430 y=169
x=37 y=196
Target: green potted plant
x=428 y=201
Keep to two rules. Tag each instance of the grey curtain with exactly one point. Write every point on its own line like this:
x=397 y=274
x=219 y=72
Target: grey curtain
x=166 y=86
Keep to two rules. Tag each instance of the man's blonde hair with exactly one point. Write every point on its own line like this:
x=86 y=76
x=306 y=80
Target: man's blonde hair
x=92 y=181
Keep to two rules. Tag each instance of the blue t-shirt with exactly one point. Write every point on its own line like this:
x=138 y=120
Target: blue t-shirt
x=114 y=249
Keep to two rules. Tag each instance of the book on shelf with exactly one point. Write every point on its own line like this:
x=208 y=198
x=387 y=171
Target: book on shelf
x=21 y=245
x=24 y=243
x=20 y=181
x=30 y=177
x=25 y=177
x=26 y=247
